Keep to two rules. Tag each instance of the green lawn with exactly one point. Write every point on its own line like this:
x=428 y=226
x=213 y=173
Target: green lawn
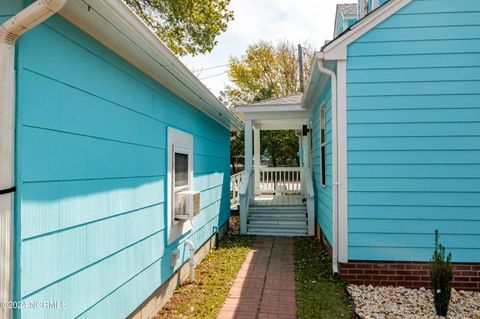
x=319 y=294
x=214 y=275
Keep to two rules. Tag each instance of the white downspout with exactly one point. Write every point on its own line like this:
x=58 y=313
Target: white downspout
x=191 y=260
x=10 y=31
x=336 y=183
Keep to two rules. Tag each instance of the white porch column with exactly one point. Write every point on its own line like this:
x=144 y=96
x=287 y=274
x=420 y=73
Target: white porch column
x=306 y=149
x=246 y=188
x=248 y=146
x=256 y=159
x=302 y=162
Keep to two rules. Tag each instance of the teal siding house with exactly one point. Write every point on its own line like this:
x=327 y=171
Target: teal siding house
x=389 y=128
x=114 y=158
x=395 y=118
x=105 y=134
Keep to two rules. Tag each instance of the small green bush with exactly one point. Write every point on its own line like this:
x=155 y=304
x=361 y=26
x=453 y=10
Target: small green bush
x=441 y=276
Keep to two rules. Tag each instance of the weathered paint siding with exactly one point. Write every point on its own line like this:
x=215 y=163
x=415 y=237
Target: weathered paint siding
x=414 y=133
x=323 y=194
x=91 y=176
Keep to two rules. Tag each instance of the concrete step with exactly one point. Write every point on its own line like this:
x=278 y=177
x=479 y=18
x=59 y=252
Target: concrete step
x=283 y=227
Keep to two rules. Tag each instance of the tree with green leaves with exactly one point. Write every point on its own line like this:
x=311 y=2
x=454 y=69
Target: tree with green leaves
x=265 y=71
x=185 y=26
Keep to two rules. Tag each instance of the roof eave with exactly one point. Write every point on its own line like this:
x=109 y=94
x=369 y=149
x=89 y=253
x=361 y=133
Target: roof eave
x=337 y=48
x=146 y=51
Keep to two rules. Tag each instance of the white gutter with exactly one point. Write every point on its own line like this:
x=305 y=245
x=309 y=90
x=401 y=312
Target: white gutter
x=10 y=31
x=335 y=184
x=141 y=35
x=191 y=260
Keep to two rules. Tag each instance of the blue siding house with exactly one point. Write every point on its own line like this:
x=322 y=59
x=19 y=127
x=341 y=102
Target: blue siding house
x=395 y=104
x=109 y=127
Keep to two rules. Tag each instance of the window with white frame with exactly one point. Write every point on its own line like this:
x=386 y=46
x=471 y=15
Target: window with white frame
x=323 y=145
x=180 y=178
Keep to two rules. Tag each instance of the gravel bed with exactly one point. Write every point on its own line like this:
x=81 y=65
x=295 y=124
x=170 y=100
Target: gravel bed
x=399 y=302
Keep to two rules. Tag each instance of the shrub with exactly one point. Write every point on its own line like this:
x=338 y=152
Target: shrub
x=441 y=276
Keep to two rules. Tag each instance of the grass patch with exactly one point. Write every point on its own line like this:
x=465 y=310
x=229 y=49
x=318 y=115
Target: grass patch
x=319 y=294
x=214 y=275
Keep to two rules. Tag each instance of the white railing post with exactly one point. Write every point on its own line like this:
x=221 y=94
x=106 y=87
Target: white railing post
x=281 y=180
x=245 y=195
x=235 y=184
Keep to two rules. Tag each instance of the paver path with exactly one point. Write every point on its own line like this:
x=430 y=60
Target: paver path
x=265 y=286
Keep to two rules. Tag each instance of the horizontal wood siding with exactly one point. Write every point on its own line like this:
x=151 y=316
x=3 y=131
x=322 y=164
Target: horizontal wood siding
x=323 y=194
x=414 y=134
x=92 y=136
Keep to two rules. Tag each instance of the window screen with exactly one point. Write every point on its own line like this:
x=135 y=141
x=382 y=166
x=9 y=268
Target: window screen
x=181 y=169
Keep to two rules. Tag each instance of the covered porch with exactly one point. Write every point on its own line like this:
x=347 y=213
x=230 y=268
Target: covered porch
x=276 y=200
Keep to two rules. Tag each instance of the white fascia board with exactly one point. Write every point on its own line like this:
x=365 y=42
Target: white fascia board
x=276 y=115
x=337 y=50
x=113 y=24
x=269 y=108
x=267 y=125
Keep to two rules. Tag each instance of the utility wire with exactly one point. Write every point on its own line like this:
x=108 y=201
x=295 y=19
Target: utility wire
x=215 y=67
x=212 y=76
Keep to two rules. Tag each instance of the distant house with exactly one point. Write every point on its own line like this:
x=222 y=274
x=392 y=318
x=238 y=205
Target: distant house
x=390 y=123
x=101 y=128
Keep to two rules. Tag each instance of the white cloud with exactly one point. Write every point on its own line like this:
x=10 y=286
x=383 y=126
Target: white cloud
x=297 y=21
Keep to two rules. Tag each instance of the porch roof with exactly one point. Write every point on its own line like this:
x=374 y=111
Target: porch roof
x=282 y=113
x=288 y=100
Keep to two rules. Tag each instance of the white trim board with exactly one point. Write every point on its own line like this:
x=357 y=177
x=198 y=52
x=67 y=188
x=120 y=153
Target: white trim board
x=7 y=162
x=342 y=161
x=183 y=141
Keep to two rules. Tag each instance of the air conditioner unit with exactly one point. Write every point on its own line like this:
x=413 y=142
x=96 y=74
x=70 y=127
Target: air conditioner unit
x=187 y=205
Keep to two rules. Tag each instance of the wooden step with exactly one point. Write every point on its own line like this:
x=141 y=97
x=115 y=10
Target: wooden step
x=254 y=230
x=285 y=222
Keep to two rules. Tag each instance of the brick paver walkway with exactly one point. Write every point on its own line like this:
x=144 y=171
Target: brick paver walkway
x=265 y=285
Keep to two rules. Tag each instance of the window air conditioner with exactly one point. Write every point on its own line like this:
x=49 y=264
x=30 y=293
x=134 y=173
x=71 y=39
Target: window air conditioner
x=187 y=205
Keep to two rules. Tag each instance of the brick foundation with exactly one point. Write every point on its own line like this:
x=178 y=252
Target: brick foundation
x=466 y=276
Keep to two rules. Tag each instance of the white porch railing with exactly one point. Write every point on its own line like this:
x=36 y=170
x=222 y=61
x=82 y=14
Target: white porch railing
x=235 y=184
x=310 y=197
x=246 y=193
x=280 y=180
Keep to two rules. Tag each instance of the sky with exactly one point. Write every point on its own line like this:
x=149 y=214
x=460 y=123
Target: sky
x=297 y=21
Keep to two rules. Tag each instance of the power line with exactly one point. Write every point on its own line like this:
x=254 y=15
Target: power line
x=212 y=76
x=215 y=67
